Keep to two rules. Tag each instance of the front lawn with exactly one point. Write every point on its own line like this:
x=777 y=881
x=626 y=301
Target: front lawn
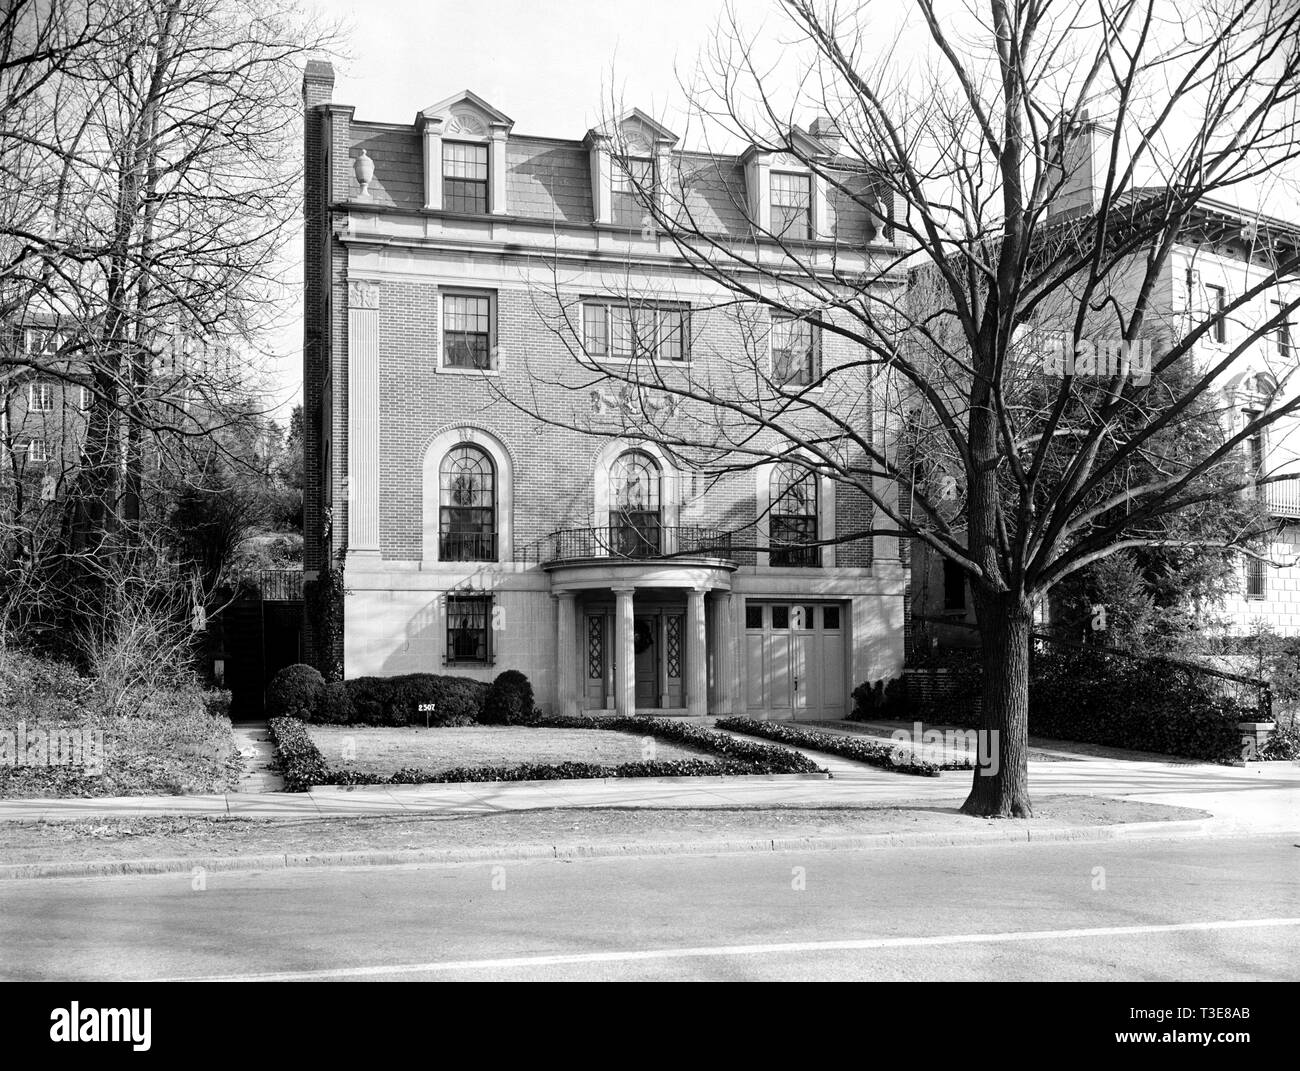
x=366 y=749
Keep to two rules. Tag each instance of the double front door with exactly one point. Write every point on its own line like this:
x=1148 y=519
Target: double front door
x=659 y=645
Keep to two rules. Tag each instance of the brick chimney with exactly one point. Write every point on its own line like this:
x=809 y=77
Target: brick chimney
x=1086 y=156
x=824 y=130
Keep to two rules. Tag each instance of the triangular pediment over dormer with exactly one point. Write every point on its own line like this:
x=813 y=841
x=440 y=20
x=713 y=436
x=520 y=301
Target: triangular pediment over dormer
x=465 y=113
x=804 y=142
x=636 y=132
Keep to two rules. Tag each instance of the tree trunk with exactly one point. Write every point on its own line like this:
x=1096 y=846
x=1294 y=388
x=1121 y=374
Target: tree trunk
x=1001 y=790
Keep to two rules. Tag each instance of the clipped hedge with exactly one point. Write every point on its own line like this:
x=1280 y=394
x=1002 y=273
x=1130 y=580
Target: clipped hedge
x=396 y=701
x=509 y=700
x=303 y=765
x=294 y=692
x=866 y=751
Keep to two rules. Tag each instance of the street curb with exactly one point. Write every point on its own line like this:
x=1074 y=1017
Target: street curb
x=436 y=856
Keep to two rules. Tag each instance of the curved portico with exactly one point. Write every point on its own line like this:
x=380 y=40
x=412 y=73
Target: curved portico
x=613 y=609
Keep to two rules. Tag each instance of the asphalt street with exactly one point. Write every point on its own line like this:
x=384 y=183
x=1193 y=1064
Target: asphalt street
x=1195 y=909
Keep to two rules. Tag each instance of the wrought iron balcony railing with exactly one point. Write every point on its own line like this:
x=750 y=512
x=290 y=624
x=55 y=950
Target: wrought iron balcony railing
x=467 y=547
x=629 y=542
x=1282 y=498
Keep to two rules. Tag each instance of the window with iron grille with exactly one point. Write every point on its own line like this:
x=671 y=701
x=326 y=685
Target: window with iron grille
x=467 y=331
x=794 y=517
x=1255 y=579
x=464 y=177
x=791 y=205
x=635 y=517
x=1218 y=299
x=467 y=489
x=469 y=629
x=632 y=182
x=40 y=397
x=795 y=350
x=623 y=332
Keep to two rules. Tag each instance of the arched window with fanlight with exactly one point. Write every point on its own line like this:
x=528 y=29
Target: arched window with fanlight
x=636 y=518
x=467 y=491
x=794 y=517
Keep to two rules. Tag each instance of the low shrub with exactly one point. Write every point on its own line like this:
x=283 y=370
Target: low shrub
x=509 y=701
x=1283 y=743
x=880 y=699
x=334 y=707
x=294 y=692
x=871 y=752
x=396 y=701
x=296 y=757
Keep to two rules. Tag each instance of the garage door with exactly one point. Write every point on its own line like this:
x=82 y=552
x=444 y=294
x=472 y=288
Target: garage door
x=795 y=660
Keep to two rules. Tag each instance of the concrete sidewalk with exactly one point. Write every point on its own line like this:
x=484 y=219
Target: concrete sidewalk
x=1254 y=799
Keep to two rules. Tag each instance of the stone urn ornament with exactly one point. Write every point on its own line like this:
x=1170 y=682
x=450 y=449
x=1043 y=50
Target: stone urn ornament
x=364 y=169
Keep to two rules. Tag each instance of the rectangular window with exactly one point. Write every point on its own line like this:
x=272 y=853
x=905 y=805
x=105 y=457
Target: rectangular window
x=791 y=206
x=1254 y=445
x=467 y=331
x=1255 y=579
x=632 y=181
x=795 y=346
x=464 y=177
x=831 y=617
x=1282 y=333
x=40 y=397
x=85 y=398
x=37 y=451
x=1218 y=302
x=626 y=332
x=954 y=587
x=753 y=616
x=469 y=629
x=781 y=617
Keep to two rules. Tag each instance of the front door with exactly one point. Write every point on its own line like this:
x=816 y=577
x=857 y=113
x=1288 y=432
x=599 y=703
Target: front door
x=794 y=660
x=647 y=647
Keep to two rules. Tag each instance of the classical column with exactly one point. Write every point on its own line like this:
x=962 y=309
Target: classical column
x=566 y=651
x=624 y=652
x=697 y=679
x=726 y=654
x=363 y=417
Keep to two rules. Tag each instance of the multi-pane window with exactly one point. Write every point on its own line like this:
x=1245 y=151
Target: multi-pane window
x=631 y=182
x=791 y=205
x=1255 y=579
x=467 y=331
x=40 y=397
x=469 y=629
x=37 y=450
x=626 y=332
x=794 y=517
x=795 y=345
x=467 y=499
x=635 y=518
x=1254 y=446
x=464 y=177
x=1282 y=333
x=1218 y=301
x=85 y=398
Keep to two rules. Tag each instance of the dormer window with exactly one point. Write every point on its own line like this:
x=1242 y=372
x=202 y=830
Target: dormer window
x=464 y=177
x=791 y=205
x=631 y=182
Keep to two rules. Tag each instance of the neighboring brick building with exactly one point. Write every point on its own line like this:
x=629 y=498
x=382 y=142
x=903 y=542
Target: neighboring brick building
x=449 y=263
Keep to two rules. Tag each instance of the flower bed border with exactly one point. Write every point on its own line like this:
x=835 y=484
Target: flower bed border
x=865 y=751
x=303 y=765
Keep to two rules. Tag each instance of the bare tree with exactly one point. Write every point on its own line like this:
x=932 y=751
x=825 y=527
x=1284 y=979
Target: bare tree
x=956 y=140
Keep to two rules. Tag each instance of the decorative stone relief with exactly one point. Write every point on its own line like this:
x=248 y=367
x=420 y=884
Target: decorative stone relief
x=466 y=123
x=363 y=294
x=626 y=402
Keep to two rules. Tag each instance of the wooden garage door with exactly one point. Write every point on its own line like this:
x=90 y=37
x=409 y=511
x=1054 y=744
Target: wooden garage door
x=795 y=660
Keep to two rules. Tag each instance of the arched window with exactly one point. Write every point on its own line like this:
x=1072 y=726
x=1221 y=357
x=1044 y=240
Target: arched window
x=635 y=507
x=467 y=492
x=794 y=517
